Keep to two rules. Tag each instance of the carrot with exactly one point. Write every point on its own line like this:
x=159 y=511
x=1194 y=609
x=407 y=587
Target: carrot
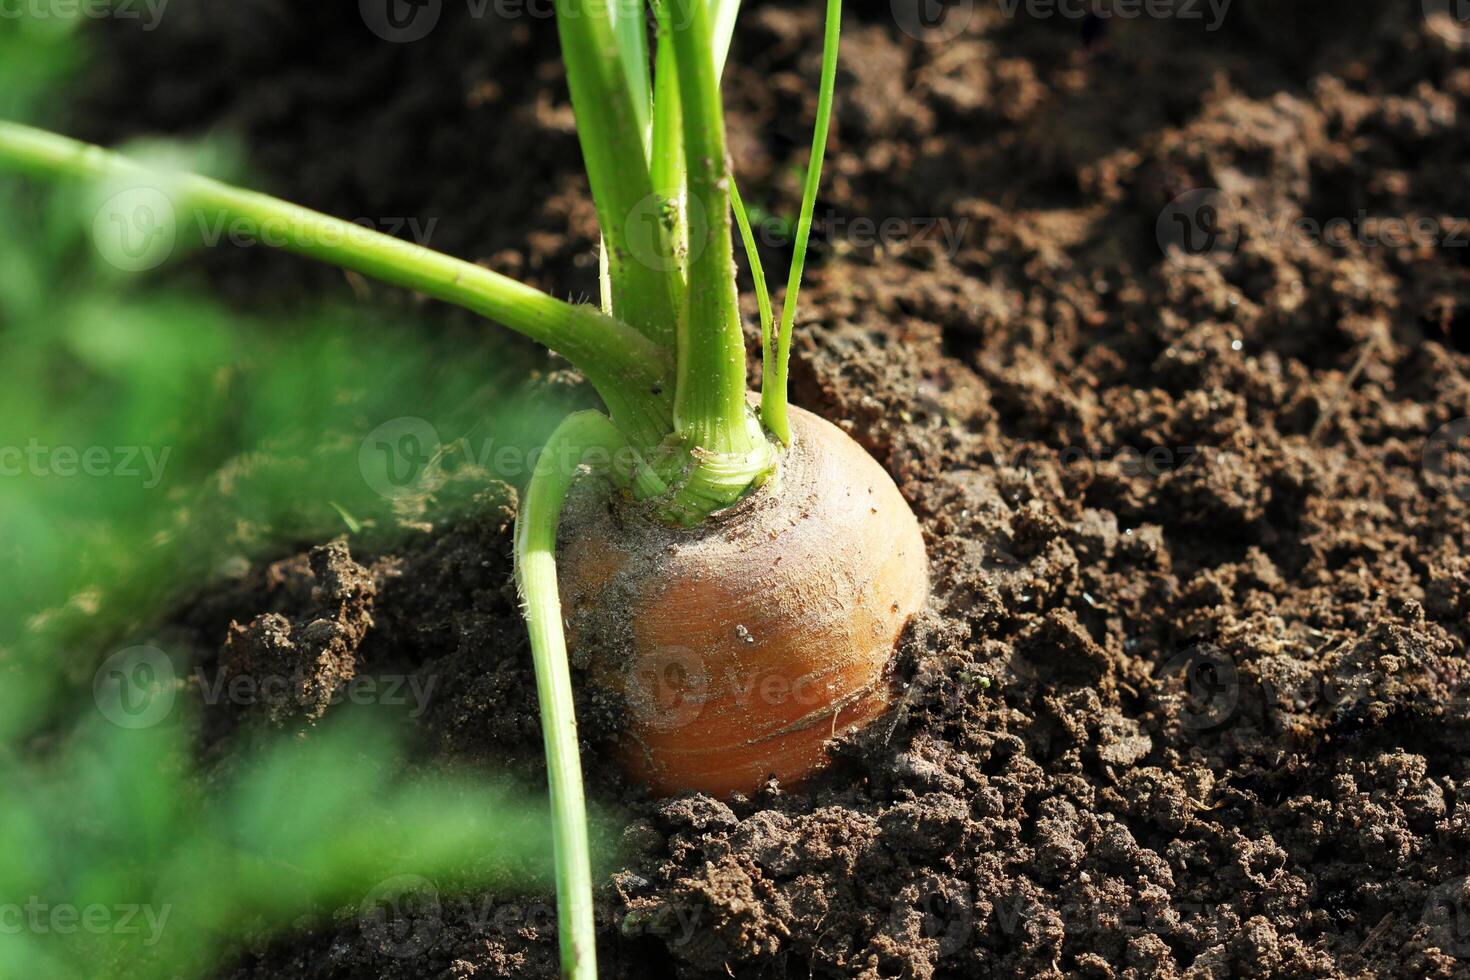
x=740 y=578
x=741 y=645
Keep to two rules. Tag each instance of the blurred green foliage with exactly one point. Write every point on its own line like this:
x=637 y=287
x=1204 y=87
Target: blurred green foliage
x=35 y=53
x=148 y=436
x=117 y=863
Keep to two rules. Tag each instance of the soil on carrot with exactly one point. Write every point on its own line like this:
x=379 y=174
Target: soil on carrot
x=1192 y=696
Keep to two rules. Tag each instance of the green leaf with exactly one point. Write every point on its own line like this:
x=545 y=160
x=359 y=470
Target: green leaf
x=774 y=376
x=722 y=30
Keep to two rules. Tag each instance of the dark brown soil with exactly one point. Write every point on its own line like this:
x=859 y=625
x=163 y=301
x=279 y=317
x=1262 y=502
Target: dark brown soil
x=1193 y=697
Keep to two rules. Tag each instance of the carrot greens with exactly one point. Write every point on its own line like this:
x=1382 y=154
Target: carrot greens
x=666 y=350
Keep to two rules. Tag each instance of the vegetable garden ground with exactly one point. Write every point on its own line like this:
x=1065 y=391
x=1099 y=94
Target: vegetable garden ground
x=1192 y=695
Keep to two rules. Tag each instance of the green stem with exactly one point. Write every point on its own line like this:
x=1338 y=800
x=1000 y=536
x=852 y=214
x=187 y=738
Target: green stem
x=625 y=367
x=612 y=125
x=757 y=273
x=535 y=570
x=709 y=407
x=667 y=162
x=629 y=20
x=774 y=397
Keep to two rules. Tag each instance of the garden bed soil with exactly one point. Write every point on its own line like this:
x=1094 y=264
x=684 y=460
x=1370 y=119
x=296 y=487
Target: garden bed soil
x=1191 y=694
